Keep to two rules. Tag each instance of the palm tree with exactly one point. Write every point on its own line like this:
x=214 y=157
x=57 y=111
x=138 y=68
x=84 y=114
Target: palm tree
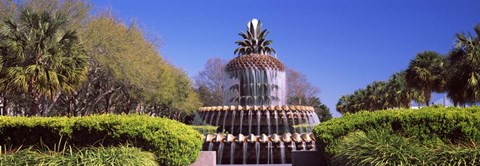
x=254 y=41
x=463 y=68
x=399 y=95
x=426 y=73
x=40 y=56
x=343 y=105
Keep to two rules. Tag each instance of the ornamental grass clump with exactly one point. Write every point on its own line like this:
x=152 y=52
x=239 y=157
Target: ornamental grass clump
x=99 y=156
x=385 y=148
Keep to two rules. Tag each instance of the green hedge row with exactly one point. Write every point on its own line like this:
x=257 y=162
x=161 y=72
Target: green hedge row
x=172 y=142
x=426 y=124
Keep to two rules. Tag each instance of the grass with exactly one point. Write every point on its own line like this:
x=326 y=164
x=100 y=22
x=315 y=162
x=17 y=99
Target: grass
x=386 y=148
x=98 y=156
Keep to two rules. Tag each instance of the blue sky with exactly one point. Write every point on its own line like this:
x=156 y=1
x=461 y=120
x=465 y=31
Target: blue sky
x=339 y=45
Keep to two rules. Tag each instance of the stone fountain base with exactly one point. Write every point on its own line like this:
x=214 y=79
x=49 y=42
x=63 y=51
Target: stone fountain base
x=249 y=135
x=253 y=149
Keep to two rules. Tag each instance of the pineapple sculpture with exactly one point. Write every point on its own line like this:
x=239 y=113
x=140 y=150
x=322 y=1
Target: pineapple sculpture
x=255 y=77
x=254 y=124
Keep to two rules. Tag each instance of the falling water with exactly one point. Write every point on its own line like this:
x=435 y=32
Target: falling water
x=255 y=84
x=310 y=121
x=211 y=118
x=218 y=117
x=294 y=147
x=282 y=152
x=206 y=117
x=313 y=146
x=245 y=148
x=220 y=153
x=259 y=115
x=249 y=121
x=257 y=151
x=256 y=87
x=285 y=122
x=270 y=153
x=317 y=121
x=210 y=146
x=224 y=119
x=276 y=121
x=299 y=121
x=268 y=122
x=199 y=116
x=293 y=121
x=241 y=121
x=308 y=125
x=232 y=153
x=233 y=121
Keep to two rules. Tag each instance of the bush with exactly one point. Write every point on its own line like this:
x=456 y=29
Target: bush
x=89 y=156
x=386 y=148
x=206 y=129
x=172 y=142
x=425 y=124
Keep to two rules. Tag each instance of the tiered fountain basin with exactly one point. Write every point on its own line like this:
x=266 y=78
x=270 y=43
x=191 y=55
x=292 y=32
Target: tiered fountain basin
x=259 y=135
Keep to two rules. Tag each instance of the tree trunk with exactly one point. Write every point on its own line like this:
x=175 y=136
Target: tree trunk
x=50 y=106
x=36 y=105
x=2 y=104
x=428 y=95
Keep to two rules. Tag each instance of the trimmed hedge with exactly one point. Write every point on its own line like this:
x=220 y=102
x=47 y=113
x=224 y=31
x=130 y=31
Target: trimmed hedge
x=172 y=142
x=426 y=124
x=206 y=129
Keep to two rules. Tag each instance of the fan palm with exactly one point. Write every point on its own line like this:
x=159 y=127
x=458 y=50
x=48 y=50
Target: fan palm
x=398 y=93
x=463 y=68
x=426 y=73
x=343 y=104
x=40 y=57
x=254 y=41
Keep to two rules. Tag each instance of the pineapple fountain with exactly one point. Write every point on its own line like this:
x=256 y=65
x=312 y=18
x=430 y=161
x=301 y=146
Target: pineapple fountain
x=255 y=126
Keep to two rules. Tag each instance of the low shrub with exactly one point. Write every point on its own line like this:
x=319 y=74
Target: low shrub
x=386 y=148
x=426 y=124
x=172 y=142
x=99 y=156
x=206 y=129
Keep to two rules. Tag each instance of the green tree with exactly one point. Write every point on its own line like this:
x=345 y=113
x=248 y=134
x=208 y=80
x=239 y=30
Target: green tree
x=41 y=57
x=463 y=68
x=398 y=94
x=380 y=95
x=426 y=73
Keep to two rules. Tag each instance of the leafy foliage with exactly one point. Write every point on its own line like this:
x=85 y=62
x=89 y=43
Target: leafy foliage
x=125 y=72
x=426 y=73
x=101 y=156
x=463 y=84
x=386 y=148
x=322 y=111
x=426 y=124
x=254 y=41
x=172 y=142
x=379 y=95
x=206 y=129
x=40 y=57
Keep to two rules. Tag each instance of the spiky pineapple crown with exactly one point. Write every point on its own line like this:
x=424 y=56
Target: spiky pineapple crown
x=254 y=41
